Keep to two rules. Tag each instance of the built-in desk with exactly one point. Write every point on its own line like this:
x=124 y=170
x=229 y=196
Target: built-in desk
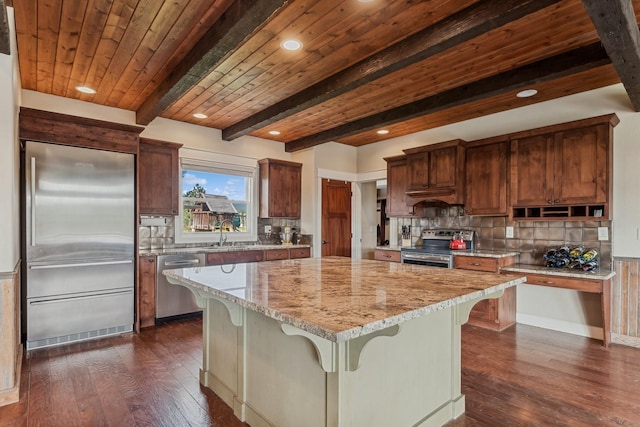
x=593 y=282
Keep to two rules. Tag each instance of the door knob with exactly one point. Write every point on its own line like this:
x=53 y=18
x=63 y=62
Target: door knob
x=324 y=242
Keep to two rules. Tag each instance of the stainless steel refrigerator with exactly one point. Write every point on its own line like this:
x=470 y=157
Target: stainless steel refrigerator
x=79 y=243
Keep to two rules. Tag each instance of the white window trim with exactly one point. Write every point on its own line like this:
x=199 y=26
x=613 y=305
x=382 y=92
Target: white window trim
x=222 y=163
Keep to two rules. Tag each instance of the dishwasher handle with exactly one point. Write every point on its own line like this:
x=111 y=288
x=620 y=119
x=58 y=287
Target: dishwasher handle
x=182 y=263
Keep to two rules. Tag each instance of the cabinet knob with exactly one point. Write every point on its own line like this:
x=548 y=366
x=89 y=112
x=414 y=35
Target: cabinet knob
x=550 y=202
x=556 y=201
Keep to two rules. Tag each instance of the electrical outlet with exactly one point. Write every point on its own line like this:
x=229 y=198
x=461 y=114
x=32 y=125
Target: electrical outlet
x=509 y=233
x=603 y=233
x=267 y=229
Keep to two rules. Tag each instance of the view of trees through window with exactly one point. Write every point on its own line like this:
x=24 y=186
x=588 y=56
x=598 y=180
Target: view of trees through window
x=213 y=200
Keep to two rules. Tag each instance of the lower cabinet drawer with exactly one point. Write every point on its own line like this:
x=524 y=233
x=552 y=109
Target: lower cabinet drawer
x=584 y=285
x=476 y=263
x=383 y=255
x=299 y=253
x=274 y=254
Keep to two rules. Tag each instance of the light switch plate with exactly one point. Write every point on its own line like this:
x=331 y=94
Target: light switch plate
x=267 y=229
x=603 y=233
x=509 y=233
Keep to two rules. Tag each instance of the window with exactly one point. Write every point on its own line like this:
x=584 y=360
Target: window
x=217 y=197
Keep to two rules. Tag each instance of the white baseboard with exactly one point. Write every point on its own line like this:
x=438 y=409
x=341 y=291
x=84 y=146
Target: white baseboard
x=560 y=325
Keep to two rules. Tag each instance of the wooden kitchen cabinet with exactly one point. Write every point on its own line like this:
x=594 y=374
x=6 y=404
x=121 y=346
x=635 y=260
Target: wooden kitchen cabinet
x=564 y=172
x=280 y=188
x=158 y=177
x=275 y=254
x=233 y=257
x=436 y=172
x=387 y=255
x=397 y=182
x=299 y=253
x=146 y=300
x=495 y=314
x=486 y=178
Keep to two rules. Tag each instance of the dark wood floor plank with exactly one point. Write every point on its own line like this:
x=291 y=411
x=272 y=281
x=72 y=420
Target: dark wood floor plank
x=523 y=376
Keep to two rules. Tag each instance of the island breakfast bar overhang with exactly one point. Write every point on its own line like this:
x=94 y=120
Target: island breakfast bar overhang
x=336 y=341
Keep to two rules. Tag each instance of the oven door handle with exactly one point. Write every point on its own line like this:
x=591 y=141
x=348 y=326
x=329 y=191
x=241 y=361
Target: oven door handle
x=421 y=257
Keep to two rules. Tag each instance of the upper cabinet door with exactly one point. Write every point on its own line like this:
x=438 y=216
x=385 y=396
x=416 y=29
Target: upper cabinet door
x=486 y=179
x=397 y=179
x=417 y=170
x=280 y=189
x=580 y=173
x=443 y=167
x=532 y=171
x=158 y=175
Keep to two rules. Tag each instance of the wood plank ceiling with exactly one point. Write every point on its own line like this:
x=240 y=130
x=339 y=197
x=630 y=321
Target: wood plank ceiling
x=401 y=65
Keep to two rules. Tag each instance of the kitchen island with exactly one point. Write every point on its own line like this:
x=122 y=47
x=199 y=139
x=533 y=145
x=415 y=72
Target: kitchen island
x=336 y=341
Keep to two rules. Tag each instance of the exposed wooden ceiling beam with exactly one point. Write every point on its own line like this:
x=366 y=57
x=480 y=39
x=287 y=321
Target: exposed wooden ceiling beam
x=565 y=64
x=458 y=28
x=5 y=44
x=617 y=27
x=242 y=19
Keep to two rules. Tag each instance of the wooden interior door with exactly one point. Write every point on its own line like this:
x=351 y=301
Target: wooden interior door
x=336 y=218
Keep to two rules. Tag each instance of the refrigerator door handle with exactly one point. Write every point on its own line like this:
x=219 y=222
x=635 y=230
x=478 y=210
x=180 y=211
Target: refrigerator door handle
x=33 y=201
x=82 y=264
x=58 y=300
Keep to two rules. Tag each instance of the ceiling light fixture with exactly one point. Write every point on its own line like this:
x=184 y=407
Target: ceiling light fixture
x=383 y=132
x=200 y=116
x=274 y=132
x=291 y=44
x=85 y=89
x=526 y=93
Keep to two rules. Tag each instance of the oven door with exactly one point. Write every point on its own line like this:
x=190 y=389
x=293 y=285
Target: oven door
x=432 y=260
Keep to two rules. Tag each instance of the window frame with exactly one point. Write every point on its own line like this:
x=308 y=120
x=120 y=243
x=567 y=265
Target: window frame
x=205 y=161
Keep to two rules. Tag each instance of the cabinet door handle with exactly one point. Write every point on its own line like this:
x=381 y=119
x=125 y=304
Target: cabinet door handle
x=387 y=256
x=550 y=202
x=547 y=282
x=477 y=264
x=556 y=201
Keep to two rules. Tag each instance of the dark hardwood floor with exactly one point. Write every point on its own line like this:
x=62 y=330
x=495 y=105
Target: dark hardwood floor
x=524 y=376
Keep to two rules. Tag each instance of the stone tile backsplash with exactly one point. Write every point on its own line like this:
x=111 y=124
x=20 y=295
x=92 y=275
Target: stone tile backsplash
x=530 y=238
x=158 y=237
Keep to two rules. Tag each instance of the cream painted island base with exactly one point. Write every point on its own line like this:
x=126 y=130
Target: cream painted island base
x=336 y=342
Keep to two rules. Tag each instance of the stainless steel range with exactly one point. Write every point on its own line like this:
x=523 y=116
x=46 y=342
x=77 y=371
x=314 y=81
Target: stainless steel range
x=435 y=250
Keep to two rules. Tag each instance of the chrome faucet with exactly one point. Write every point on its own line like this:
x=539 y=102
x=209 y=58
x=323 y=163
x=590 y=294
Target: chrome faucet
x=221 y=225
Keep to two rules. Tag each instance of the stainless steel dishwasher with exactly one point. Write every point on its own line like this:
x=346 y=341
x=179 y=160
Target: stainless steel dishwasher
x=175 y=300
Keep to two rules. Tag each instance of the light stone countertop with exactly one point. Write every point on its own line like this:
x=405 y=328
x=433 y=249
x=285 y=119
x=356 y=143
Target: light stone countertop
x=564 y=272
x=342 y=298
x=209 y=249
x=485 y=253
x=389 y=248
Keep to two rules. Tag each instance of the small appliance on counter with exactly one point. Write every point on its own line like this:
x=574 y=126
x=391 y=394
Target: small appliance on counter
x=286 y=236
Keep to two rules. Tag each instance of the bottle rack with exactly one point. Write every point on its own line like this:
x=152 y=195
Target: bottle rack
x=574 y=212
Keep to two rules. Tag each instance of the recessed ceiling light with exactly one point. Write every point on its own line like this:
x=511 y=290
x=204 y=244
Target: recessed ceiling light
x=383 y=132
x=291 y=44
x=200 y=116
x=526 y=93
x=85 y=89
x=274 y=132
